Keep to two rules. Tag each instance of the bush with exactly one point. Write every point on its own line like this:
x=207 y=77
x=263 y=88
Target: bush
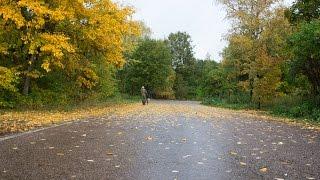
x=296 y=107
x=316 y=115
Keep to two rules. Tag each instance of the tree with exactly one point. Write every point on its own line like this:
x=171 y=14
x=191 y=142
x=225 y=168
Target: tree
x=304 y=10
x=184 y=64
x=306 y=57
x=256 y=46
x=38 y=37
x=181 y=49
x=150 y=65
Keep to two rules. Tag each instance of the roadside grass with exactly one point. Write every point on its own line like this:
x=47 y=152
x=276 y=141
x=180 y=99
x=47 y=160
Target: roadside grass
x=24 y=118
x=298 y=113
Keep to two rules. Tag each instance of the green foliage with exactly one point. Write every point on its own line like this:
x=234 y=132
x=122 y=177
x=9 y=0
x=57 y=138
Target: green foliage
x=184 y=64
x=181 y=49
x=215 y=83
x=150 y=65
x=8 y=90
x=305 y=46
x=223 y=103
x=296 y=107
x=304 y=10
x=8 y=79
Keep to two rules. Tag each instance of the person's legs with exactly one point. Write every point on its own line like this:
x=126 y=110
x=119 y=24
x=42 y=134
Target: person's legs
x=144 y=100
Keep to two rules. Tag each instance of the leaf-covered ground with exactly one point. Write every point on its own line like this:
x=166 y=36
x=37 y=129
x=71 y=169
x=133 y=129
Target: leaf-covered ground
x=21 y=121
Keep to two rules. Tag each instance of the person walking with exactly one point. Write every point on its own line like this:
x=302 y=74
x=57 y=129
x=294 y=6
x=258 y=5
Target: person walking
x=144 y=95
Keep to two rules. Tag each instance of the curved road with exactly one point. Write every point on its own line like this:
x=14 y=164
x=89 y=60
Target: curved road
x=165 y=140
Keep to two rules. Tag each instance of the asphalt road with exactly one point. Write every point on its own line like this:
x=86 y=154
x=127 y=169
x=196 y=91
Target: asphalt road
x=165 y=140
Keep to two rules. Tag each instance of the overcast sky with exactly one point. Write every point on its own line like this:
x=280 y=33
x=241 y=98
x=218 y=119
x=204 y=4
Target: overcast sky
x=204 y=20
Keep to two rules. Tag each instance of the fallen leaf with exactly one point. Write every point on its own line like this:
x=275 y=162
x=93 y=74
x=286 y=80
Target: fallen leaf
x=149 y=138
x=263 y=170
x=186 y=156
x=233 y=153
x=243 y=164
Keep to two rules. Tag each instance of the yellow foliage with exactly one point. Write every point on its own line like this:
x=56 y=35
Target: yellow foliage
x=11 y=12
x=7 y=79
x=88 y=79
x=55 y=44
x=99 y=26
x=46 y=66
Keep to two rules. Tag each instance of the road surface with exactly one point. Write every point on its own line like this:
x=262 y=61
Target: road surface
x=165 y=140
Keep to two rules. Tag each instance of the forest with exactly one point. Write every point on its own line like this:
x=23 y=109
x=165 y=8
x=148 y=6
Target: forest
x=57 y=53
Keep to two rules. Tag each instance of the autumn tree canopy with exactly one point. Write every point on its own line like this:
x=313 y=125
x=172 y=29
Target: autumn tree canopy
x=255 y=46
x=37 y=37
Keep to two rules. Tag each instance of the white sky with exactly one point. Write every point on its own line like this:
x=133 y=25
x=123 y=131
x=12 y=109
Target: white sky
x=204 y=21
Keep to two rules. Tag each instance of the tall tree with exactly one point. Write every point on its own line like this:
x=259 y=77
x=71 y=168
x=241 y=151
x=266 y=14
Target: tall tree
x=183 y=63
x=304 y=43
x=255 y=46
x=150 y=66
x=306 y=57
x=181 y=48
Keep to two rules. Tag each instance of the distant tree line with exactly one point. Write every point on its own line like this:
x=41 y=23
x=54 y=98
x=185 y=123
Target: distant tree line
x=167 y=68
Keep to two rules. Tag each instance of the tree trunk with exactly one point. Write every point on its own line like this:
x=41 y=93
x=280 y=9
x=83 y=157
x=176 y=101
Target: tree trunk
x=251 y=90
x=27 y=80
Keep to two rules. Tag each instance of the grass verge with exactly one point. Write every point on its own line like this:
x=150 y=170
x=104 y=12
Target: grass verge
x=287 y=115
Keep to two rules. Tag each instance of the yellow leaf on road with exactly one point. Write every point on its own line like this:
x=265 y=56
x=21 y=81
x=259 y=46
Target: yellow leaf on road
x=263 y=170
x=233 y=153
x=149 y=138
